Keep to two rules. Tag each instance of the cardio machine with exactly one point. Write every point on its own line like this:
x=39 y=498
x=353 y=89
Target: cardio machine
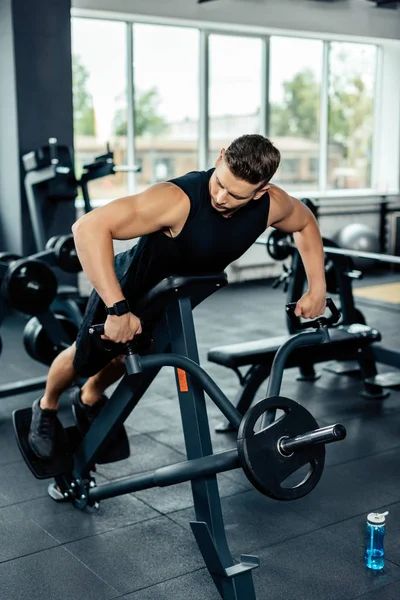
x=269 y=454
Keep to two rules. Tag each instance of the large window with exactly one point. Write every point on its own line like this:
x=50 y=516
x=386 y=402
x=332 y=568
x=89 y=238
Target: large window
x=323 y=146
x=295 y=84
x=235 y=89
x=166 y=101
x=99 y=87
x=351 y=98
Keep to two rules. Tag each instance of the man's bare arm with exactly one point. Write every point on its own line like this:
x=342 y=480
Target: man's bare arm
x=292 y=216
x=161 y=206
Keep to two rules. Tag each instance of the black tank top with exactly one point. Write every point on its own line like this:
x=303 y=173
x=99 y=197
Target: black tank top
x=208 y=242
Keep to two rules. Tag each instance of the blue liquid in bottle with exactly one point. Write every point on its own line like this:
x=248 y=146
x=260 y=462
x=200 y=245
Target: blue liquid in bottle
x=374 y=557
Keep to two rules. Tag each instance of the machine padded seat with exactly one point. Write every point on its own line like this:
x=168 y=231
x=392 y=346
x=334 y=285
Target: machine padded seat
x=344 y=338
x=198 y=287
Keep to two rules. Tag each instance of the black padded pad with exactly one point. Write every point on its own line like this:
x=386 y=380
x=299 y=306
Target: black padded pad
x=345 y=340
x=67 y=441
x=198 y=287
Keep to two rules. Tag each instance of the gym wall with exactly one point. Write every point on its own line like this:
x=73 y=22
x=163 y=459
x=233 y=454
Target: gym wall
x=351 y=17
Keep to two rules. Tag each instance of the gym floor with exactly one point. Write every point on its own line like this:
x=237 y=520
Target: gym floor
x=140 y=546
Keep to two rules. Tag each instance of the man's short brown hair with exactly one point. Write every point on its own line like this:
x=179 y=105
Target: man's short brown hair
x=252 y=158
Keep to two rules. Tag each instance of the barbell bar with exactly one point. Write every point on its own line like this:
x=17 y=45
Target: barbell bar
x=279 y=246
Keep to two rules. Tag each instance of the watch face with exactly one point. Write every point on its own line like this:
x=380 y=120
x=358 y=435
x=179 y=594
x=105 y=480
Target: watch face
x=121 y=307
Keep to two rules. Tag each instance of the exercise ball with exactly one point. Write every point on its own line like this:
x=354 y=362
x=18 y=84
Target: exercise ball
x=359 y=237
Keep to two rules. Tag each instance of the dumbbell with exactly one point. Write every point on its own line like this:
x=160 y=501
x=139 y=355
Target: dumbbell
x=60 y=252
x=28 y=285
x=41 y=337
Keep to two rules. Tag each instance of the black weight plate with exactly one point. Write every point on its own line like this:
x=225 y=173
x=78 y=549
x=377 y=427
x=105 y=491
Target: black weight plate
x=65 y=251
x=38 y=344
x=278 y=245
x=265 y=466
x=31 y=331
x=29 y=286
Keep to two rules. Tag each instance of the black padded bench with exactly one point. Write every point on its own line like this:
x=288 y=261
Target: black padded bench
x=348 y=342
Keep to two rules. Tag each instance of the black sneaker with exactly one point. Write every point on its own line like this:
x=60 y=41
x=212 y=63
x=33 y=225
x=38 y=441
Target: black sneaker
x=85 y=414
x=42 y=433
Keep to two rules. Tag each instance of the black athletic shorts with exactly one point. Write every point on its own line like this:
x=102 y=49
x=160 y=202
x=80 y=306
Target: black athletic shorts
x=90 y=356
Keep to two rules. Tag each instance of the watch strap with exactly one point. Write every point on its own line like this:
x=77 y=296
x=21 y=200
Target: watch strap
x=118 y=308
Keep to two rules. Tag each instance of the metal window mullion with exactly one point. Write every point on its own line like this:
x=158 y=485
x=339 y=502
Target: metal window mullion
x=204 y=80
x=265 y=76
x=323 y=124
x=131 y=147
x=377 y=145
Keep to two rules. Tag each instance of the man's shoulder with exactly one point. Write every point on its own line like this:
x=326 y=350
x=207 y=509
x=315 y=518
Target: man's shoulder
x=276 y=193
x=280 y=204
x=192 y=176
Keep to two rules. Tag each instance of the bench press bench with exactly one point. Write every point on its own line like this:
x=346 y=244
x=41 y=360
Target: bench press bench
x=348 y=343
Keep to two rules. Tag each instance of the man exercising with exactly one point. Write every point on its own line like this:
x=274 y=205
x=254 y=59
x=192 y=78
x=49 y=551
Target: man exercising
x=198 y=223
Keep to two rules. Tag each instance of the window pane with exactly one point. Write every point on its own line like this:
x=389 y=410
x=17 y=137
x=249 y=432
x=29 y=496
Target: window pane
x=295 y=82
x=166 y=101
x=351 y=98
x=99 y=76
x=235 y=89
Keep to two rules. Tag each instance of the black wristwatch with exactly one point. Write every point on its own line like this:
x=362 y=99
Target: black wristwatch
x=119 y=308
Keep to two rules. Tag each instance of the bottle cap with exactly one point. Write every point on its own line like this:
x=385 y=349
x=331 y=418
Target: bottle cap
x=377 y=518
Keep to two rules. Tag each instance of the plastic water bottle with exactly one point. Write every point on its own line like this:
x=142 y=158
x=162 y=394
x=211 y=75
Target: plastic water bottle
x=374 y=557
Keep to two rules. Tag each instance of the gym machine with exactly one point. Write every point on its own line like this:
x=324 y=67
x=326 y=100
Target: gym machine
x=50 y=178
x=269 y=455
x=340 y=273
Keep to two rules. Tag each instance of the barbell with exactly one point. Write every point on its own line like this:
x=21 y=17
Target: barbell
x=286 y=459
x=280 y=245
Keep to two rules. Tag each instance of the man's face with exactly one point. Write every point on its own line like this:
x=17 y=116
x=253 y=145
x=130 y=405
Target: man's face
x=228 y=194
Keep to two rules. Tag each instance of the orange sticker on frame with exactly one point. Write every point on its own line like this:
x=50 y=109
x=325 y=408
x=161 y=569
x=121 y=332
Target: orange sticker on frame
x=183 y=384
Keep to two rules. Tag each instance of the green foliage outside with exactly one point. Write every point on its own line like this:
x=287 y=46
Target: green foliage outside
x=349 y=117
x=84 y=122
x=147 y=119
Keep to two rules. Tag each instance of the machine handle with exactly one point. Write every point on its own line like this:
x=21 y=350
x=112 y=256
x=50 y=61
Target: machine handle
x=141 y=341
x=316 y=323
